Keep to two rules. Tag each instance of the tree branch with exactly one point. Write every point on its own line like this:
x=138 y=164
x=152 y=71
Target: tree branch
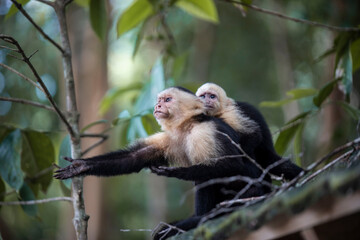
x=332 y=163
x=103 y=139
x=41 y=201
x=22 y=76
x=39 y=80
x=23 y=101
x=20 y=8
x=42 y=173
x=93 y=135
x=8 y=48
x=312 y=23
x=80 y=219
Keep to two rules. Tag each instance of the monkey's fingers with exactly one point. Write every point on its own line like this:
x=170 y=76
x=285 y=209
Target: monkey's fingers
x=62 y=173
x=69 y=159
x=161 y=171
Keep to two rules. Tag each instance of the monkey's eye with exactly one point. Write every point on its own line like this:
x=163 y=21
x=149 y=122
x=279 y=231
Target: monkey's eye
x=202 y=96
x=212 y=96
x=168 y=99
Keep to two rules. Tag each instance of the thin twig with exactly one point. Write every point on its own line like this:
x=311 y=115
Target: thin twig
x=103 y=139
x=31 y=55
x=280 y=15
x=23 y=101
x=22 y=76
x=41 y=201
x=42 y=173
x=93 y=135
x=165 y=231
x=244 y=154
x=20 y=8
x=68 y=2
x=221 y=209
x=136 y=230
x=242 y=200
x=11 y=49
x=332 y=163
x=310 y=168
x=11 y=40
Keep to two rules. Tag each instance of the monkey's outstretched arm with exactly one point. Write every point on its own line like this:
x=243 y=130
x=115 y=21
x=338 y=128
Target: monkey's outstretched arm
x=201 y=172
x=124 y=161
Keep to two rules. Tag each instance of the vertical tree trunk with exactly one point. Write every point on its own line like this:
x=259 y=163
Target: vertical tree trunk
x=80 y=218
x=90 y=70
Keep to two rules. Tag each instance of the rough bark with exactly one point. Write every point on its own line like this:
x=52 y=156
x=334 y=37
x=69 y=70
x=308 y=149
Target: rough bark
x=80 y=219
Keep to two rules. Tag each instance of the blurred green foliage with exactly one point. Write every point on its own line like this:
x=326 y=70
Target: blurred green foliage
x=165 y=43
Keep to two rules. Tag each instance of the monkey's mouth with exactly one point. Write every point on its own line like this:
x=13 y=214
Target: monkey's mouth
x=159 y=114
x=209 y=106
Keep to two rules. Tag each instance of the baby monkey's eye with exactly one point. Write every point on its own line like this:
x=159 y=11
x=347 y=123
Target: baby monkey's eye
x=212 y=96
x=202 y=96
x=168 y=99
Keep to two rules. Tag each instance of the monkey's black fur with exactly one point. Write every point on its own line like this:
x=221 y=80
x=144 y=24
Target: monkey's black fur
x=264 y=150
x=152 y=152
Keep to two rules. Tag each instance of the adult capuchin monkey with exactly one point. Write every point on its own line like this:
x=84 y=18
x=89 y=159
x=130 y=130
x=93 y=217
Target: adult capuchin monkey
x=250 y=125
x=196 y=142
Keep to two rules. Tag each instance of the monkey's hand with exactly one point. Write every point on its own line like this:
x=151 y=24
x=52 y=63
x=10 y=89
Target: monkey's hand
x=164 y=171
x=76 y=168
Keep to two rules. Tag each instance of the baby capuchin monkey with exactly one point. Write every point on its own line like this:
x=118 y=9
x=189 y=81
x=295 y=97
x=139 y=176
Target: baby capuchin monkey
x=195 y=142
x=250 y=125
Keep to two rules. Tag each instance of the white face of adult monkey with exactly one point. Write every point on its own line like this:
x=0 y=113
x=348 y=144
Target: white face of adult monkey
x=175 y=106
x=213 y=97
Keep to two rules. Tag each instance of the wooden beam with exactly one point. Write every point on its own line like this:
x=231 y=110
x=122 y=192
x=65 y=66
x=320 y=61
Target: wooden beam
x=325 y=210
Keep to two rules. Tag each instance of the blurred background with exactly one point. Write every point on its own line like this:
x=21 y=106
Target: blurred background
x=255 y=57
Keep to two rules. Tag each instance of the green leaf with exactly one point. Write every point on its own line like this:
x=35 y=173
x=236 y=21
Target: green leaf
x=4 y=131
x=353 y=112
x=150 y=124
x=355 y=53
x=324 y=93
x=275 y=103
x=26 y=194
x=294 y=94
x=134 y=15
x=65 y=151
x=14 y=9
x=113 y=93
x=98 y=18
x=284 y=139
x=340 y=44
x=83 y=3
x=290 y=129
x=10 y=161
x=325 y=54
x=298 y=143
x=347 y=79
x=37 y=155
x=299 y=93
x=139 y=38
x=243 y=9
x=204 y=9
x=135 y=130
x=147 y=100
x=124 y=115
x=102 y=121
